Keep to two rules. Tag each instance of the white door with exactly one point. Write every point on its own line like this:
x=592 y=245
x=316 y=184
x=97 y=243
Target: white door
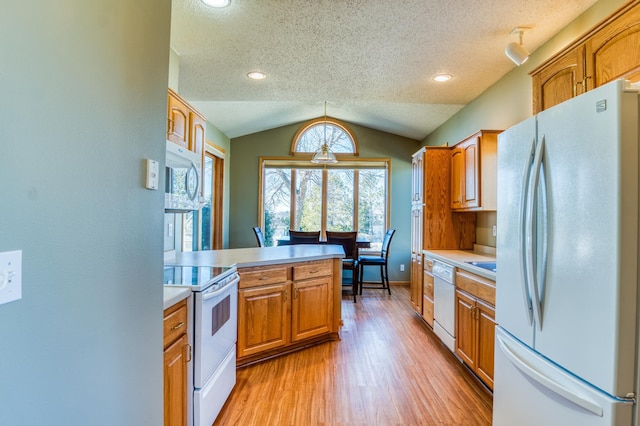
x=515 y=155
x=534 y=392
x=588 y=298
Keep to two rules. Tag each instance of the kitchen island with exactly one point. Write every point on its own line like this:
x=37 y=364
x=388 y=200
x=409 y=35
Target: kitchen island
x=289 y=297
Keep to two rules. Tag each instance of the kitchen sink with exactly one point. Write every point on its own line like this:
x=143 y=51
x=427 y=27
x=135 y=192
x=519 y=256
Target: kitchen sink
x=489 y=266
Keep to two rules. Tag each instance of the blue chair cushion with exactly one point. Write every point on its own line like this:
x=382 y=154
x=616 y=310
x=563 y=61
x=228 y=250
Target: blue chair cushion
x=373 y=260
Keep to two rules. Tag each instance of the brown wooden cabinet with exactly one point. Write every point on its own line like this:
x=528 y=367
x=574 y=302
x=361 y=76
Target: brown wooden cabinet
x=475 y=324
x=474 y=172
x=176 y=358
x=312 y=307
x=611 y=50
x=433 y=225
x=185 y=126
x=427 y=292
x=282 y=307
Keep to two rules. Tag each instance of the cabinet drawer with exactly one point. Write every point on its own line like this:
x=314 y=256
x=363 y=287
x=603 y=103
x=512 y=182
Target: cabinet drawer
x=262 y=276
x=311 y=270
x=427 y=310
x=175 y=322
x=428 y=285
x=428 y=264
x=478 y=286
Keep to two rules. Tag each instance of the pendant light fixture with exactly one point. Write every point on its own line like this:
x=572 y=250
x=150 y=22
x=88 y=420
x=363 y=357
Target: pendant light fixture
x=323 y=155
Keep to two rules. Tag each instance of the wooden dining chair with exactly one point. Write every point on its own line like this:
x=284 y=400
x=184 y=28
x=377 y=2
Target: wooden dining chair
x=303 y=237
x=350 y=262
x=381 y=261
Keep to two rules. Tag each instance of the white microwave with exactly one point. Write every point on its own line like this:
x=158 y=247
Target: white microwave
x=182 y=179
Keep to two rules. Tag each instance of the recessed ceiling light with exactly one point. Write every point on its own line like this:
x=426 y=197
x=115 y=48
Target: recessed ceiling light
x=442 y=77
x=257 y=75
x=216 y=3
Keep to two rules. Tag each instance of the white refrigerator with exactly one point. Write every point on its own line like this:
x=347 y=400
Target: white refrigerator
x=567 y=264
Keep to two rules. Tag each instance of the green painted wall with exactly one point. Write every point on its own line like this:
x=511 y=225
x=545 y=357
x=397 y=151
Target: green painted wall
x=84 y=103
x=509 y=101
x=244 y=176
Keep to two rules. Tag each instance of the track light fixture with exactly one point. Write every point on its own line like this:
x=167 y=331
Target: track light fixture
x=516 y=52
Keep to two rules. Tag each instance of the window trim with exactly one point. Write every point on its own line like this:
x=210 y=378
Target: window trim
x=298 y=162
x=311 y=123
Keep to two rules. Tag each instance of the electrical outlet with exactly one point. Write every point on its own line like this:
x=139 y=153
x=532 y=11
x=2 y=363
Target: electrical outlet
x=495 y=230
x=402 y=267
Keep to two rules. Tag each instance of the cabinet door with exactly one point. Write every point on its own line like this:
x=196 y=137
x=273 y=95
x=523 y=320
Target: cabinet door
x=486 y=341
x=198 y=128
x=457 y=181
x=416 y=283
x=311 y=308
x=471 y=173
x=263 y=318
x=175 y=383
x=561 y=80
x=466 y=329
x=417 y=181
x=178 y=122
x=614 y=51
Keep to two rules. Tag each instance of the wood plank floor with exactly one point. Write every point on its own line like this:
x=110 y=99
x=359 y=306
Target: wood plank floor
x=387 y=369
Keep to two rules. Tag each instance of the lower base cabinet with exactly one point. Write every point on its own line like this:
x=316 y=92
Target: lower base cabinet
x=475 y=334
x=427 y=292
x=176 y=361
x=281 y=306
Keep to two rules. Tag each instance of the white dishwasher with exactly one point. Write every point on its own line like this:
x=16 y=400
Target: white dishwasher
x=444 y=303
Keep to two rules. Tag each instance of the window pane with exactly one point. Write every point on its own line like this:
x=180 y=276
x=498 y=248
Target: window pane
x=208 y=199
x=277 y=204
x=308 y=199
x=340 y=204
x=314 y=136
x=372 y=205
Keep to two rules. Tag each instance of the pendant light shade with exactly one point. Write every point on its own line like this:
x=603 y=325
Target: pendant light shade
x=323 y=155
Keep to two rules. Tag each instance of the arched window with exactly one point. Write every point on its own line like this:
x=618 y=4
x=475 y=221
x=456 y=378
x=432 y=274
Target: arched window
x=311 y=135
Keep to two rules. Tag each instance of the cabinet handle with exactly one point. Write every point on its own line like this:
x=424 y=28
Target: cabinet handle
x=285 y=295
x=189 y=353
x=296 y=294
x=170 y=126
x=264 y=277
x=314 y=272
x=177 y=326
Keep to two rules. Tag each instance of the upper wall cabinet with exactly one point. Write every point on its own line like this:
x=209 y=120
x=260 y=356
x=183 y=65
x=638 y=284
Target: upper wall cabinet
x=611 y=50
x=473 y=172
x=185 y=125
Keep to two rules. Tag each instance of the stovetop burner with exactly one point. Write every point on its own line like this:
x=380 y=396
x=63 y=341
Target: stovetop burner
x=195 y=277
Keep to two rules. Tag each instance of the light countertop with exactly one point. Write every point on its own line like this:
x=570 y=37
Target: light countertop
x=257 y=256
x=173 y=295
x=458 y=258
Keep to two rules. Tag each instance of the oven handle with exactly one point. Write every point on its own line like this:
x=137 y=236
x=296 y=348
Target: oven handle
x=208 y=294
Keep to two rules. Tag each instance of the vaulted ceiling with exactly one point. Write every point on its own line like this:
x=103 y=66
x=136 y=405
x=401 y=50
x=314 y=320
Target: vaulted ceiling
x=372 y=61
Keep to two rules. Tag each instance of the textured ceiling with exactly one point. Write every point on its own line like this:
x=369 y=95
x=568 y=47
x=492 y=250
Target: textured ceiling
x=371 y=60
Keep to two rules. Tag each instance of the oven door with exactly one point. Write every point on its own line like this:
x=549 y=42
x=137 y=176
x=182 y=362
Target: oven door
x=216 y=322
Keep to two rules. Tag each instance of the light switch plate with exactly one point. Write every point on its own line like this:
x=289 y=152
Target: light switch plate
x=152 y=174
x=10 y=276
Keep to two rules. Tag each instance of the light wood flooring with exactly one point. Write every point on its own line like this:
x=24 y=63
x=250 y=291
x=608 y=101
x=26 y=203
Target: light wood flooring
x=387 y=369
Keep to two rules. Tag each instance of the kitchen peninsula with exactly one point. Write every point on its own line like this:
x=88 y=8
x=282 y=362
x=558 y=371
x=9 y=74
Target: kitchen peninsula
x=289 y=297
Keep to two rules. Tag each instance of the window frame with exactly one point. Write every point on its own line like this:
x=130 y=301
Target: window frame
x=316 y=122
x=300 y=162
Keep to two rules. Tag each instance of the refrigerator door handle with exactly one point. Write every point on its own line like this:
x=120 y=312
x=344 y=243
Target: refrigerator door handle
x=572 y=395
x=524 y=217
x=529 y=233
